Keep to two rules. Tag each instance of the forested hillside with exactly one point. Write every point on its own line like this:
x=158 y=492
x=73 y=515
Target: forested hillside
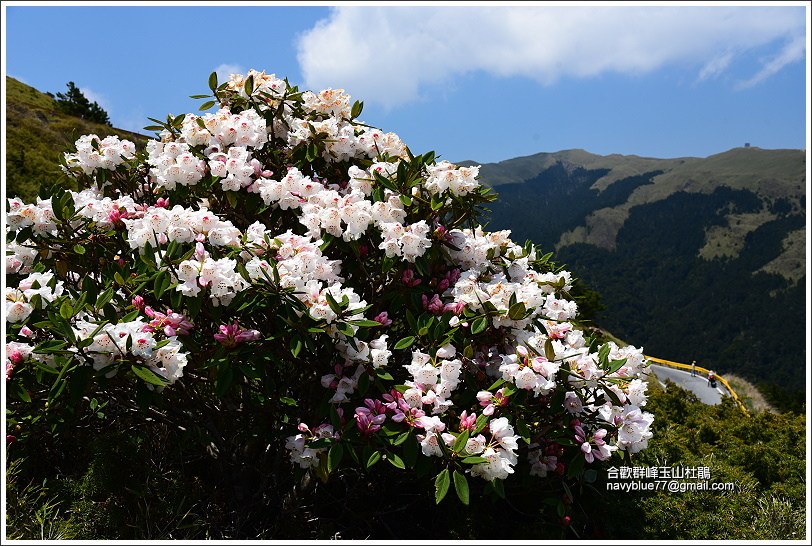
x=695 y=259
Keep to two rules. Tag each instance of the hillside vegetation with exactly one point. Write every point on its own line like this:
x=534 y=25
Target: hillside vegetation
x=36 y=136
x=692 y=256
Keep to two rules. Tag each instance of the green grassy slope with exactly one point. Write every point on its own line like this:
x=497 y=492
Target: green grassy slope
x=36 y=136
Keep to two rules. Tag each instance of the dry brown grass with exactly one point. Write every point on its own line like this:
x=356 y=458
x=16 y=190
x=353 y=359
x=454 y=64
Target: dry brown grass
x=749 y=394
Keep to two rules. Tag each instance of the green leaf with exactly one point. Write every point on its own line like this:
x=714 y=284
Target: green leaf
x=373 y=459
x=462 y=439
x=386 y=376
x=213 y=81
x=332 y=303
x=549 y=351
x=160 y=283
x=224 y=381
x=132 y=315
x=567 y=491
x=104 y=298
x=365 y=323
x=603 y=355
x=481 y=421
x=461 y=486
x=396 y=461
x=357 y=107
x=334 y=456
x=296 y=345
x=509 y=390
x=47 y=347
x=363 y=384
x=19 y=391
x=441 y=485
x=411 y=320
x=79 y=249
x=404 y=343
x=206 y=105
x=148 y=375
x=321 y=442
x=474 y=460
x=576 y=465
x=65 y=310
x=411 y=450
x=479 y=325
x=615 y=365
x=498 y=487
x=517 y=311
x=249 y=85
x=523 y=430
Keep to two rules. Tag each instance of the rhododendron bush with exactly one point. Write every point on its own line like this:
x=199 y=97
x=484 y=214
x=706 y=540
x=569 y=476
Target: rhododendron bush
x=278 y=271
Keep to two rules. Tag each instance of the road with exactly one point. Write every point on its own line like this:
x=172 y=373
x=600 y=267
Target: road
x=698 y=385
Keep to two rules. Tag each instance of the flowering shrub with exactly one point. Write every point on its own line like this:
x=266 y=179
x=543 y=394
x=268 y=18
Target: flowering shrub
x=284 y=268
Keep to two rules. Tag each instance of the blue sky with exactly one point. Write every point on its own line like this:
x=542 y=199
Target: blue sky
x=481 y=82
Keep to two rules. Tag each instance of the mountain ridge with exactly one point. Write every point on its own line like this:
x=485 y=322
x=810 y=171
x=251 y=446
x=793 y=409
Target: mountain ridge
x=692 y=256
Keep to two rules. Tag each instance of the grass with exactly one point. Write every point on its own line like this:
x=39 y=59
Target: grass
x=17 y=91
x=728 y=241
x=791 y=263
x=36 y=136
x=750 y=396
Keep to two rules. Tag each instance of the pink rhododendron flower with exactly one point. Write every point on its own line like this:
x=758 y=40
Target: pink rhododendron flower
x=383 y=318
x=231 y=335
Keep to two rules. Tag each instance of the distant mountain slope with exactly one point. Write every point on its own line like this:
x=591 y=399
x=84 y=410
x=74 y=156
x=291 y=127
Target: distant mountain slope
x=694 y=257
x=36 y=135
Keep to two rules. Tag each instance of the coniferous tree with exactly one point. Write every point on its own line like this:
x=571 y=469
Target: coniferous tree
x=74 y=103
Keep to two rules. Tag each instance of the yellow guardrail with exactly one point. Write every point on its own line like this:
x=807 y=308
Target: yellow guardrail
x=704 y=371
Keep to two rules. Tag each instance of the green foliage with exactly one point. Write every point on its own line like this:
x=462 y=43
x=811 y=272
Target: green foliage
x=151 y=482
x=17 y=91
x=74 y=103
x=673 y=303
x=762 y=455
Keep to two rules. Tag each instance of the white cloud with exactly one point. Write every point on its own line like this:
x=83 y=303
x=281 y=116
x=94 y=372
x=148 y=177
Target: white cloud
x=793 y=51
x=98 y=98
x=390 y=54
x=225 y=70
x=716 y=66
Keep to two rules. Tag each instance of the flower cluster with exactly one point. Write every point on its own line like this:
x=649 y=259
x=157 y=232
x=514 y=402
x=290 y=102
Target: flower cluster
x=304 y=456
x=281 y=237
x=93 y=153
x=20 y=300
